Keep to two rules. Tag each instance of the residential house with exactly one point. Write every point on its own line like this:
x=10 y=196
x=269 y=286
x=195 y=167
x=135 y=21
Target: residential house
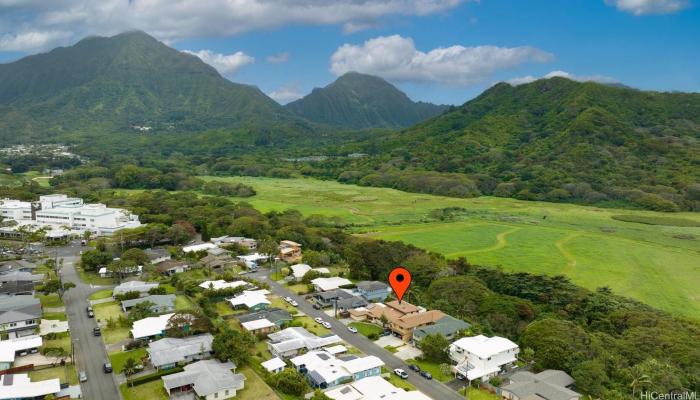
x=402 y=317
x=208 y=379
x=290 y=251
x=447 y=326
x=373 y=290
x=549 y=384
x=17 y=265
x=288 y=342
x=342 y=299
x=274 y=366
x=481 y=357
x=253 y=300
x=373 y=388
x=172 y=267
x=324 y=370
x=168 y=353
x=198 y=247
x=9 y=349
x=151 y=327
x=252 y=261
x=277 y=316
x=259 y=326
x=19 y=315
x=326 y=284
x=162 y=303
x=134 y=286
x=135 y=270
x=222 y=284
x=217 y=258
x=20 y=386
x=18 y=282
x=246 y=243
x=157 y=255
x=299 y=270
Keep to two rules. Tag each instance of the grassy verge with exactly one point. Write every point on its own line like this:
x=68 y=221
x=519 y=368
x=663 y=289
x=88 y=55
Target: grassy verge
x=50 y=300
x=55 y=315
x=105 y=311
x=118 y=359
x=101 y=294
x=433 y=368
x=478 y=394
x=366 y=329
x=65 y=374
x=152 y=391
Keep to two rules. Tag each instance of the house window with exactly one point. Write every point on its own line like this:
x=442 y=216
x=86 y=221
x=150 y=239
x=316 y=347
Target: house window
x=216 y=395
x=226 y=392
x=13 y=324
x=30 y=321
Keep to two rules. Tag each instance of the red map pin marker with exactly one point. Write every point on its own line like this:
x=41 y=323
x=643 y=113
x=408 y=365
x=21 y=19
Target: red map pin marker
x=399 y=280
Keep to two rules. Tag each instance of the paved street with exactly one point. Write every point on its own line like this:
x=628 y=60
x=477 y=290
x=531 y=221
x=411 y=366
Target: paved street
x=432 y=388
x=90 y=353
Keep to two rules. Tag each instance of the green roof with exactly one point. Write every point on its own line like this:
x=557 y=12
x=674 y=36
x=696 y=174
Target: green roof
x=446 y=326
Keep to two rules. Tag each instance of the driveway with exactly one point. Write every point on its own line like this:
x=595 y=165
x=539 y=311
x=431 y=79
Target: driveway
x=408 y=352
x=89 y=350
x=389 y=340
x=432 y=388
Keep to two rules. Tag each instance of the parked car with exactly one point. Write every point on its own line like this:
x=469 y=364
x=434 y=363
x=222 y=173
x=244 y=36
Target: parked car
x=96 y=331
x=414 y=367
x=90 y=312
x=294 y=303
x=461 y=377
x=107 y=367
x=354 y=330
x=401 y=373
x=319 y=320
x=317 y=306
x=326 y=325
x=288 y=299
x=82 y=376
x=426 y=375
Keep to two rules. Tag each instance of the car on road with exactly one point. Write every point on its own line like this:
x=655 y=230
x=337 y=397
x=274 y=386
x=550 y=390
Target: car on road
x=96 y=331
x=354 y=330
x=294 y=303
x=326 y=325
x=401 y=373
x=414 y=367
x=107 y=367
x=82 y=376
x=426 y=375
x=288 y=299
x=319 y=320
x=90 y=312
x=317 y=306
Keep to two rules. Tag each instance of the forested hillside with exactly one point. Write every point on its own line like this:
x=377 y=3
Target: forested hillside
x=360 y=101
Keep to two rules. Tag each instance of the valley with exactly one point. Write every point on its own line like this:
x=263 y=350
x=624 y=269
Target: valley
x=654 y=264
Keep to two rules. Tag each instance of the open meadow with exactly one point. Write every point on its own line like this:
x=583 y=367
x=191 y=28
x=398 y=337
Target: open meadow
x=595 y=247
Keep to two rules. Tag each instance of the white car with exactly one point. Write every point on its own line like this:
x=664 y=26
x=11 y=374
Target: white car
x=352 y=329
x=288 y=299
x=294 y=303
x=319 y=320
x=326 y=325
x=401 y=373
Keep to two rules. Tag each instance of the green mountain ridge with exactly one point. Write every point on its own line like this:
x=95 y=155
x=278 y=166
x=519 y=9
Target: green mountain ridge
x=359 y=101
x=553 y=139
x=112 y=83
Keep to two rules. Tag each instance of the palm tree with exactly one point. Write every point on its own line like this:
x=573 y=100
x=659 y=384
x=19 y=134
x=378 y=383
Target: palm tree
x=129 y=369
x=640 y=380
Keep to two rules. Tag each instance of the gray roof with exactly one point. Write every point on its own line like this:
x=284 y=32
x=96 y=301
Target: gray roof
x=17 y=287
x=155 y=253
x=161 y=301
x=271 y=314
x=207 y=377
x=18 y=308
x=447 y=325
x=334 y=294
x=172 y=350
x=134 y=286
x=371 y=286
x=352 y=302
x=16 y=265
x=19 y=276
x=548 y=384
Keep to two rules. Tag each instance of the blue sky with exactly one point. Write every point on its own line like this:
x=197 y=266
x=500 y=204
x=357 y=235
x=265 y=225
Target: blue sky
x=444 y=51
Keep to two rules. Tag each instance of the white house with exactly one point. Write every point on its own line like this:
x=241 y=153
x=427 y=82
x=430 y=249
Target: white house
x=373 y=388
x=326 y=284
x=208 y=379
x=199 y=247
x=288 y=342
x=19 y=315
x=251 y=299
x=10 y=348
x=134 y=286
x=275 y=365
x=19 y=386
x=251 y=260
x=482 y=357
x=168 y=352
x=222 y=284
x=150 y=327
x=16 y=210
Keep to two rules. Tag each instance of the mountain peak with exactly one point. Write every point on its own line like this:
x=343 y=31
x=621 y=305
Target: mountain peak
x=360 y=101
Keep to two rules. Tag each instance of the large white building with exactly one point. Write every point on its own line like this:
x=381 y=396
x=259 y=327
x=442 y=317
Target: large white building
x=482 y=357
x=60 y=212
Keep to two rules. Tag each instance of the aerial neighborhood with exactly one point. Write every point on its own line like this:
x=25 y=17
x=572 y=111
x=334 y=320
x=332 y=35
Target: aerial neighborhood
x=228 y=318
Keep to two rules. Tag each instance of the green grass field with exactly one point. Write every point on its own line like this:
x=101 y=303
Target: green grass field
x=657 y=264
x=118 y=359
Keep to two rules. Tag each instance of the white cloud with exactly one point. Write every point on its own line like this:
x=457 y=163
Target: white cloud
x=172 y=20
x=591 y=78
x=286 y=94
x=396 y=58
x=646 y=7
x=32 y=40
x=279 y=58
x=225 y=64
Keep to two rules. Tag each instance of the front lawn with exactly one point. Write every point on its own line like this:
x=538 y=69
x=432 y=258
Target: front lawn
x=367 y=329
x=152 y=391
x=478 y=394
x=50 y=300
x=65 y=374
x=94 y=279
x=278 y=302
x=183 y=302
x=105 y=311
x=118 y=359
x=55 y=315
x=433 y=368
x=101 y=294
x=255 y=387
x=115 y=335
x=299 y=288
x=223 y=308
x=310 y=325
x=61 y=340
